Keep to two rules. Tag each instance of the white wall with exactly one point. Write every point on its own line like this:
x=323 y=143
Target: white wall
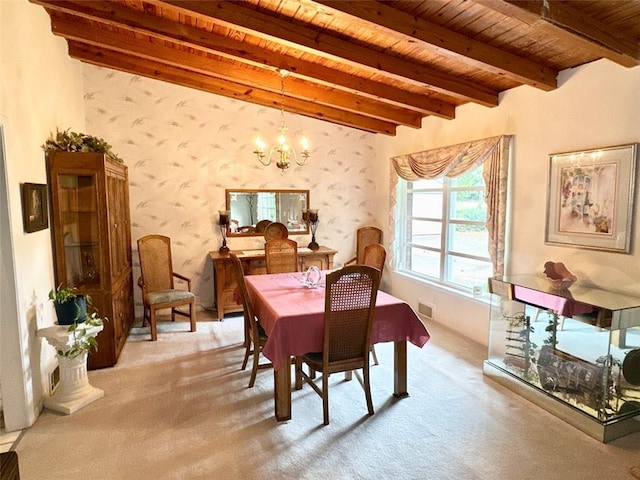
x=184 y=147
x=596 y=105
x=40 y=89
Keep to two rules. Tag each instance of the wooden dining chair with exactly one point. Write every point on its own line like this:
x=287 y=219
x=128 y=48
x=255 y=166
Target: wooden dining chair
x=262 y=225
x=255 y=336
x=350 y=300
x=374 y=256
x=364 y=236
x=157 y=283
x=281 y=255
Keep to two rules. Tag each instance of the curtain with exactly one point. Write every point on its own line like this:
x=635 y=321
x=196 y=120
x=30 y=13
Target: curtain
x=454 y=160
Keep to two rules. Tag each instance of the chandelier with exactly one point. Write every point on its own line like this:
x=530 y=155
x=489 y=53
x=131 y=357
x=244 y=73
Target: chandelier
x=282 y=153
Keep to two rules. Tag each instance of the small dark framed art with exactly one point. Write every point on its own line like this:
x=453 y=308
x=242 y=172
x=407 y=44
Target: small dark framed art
x=35 y=213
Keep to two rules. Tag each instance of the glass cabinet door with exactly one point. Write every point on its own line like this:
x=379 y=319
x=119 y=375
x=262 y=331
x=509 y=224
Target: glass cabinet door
x=78 y=208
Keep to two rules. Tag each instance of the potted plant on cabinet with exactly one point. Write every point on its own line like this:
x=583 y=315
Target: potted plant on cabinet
x=70 y=141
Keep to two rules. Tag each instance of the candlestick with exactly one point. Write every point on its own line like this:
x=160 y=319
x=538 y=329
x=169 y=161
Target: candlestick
x=313 y=220
x=224 y=222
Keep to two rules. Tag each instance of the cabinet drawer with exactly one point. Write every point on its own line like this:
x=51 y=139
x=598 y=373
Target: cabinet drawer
x=310 y=261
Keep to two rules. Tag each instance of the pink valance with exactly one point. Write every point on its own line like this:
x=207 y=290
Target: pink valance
x=454 y=160
x=449 y=161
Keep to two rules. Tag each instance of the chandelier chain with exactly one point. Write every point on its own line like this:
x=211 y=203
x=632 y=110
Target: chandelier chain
x=283 y=73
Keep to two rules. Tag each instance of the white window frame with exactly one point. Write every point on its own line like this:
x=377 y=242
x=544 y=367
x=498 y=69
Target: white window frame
x=445 y=251
x=266 y=208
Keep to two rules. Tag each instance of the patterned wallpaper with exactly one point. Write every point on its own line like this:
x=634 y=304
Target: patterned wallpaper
x=183 y=147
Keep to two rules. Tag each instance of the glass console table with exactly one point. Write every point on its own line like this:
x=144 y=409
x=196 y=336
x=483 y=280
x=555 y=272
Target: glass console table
x=573 y=352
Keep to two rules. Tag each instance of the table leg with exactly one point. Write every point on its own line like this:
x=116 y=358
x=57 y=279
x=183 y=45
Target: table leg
x=400 y=369
x=282 y=391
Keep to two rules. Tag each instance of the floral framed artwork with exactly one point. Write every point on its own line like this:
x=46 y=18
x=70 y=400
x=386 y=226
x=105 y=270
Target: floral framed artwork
x=590 y=198
x=35 y=214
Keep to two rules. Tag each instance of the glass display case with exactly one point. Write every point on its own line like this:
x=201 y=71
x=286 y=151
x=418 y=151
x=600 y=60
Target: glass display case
x=574 y=352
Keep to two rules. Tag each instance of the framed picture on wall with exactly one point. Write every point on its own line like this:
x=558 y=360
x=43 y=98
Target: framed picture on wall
x=590 y=198
x=35 y=213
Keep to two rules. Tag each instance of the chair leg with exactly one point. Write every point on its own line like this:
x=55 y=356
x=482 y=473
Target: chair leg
x=367 y=389
x=247 y=352
x=373 y=354
x=247 y=329
x=298 y=370
x=192 y=315
x=152 y=323
x=145 y=315
x=256 y=361
x=325 y=397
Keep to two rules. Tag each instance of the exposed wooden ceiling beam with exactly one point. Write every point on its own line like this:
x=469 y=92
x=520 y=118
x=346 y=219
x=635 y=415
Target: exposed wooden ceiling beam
x=219 y=68
x=284 y=31
x=126 y=18
x=451 y=44
x=151 y=69
x=566 y=22
x=370 y=64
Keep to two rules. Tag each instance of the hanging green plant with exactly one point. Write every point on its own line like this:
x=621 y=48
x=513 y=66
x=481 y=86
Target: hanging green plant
x=81 y=342
x=70 y=141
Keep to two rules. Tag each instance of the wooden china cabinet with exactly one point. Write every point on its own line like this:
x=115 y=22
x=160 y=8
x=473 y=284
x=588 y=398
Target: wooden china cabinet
x=91 y=240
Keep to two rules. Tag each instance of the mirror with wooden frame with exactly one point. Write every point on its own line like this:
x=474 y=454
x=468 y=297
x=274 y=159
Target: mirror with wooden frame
x=252 y=210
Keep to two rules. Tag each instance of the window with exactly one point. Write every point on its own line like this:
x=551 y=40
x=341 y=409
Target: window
x=267 y=207
x=443 y=230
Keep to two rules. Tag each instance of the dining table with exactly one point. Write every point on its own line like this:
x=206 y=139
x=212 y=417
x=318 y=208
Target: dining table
x=292 y=315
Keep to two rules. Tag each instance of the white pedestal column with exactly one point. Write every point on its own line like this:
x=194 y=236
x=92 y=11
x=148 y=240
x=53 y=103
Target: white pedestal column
x=74 y=390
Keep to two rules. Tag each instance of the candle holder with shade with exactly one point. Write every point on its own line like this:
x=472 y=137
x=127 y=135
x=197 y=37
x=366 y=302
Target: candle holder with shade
x=312 y=218
x=224 y=223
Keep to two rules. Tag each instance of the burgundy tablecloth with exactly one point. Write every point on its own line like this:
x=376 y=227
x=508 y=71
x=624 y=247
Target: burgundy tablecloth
x=292 y=315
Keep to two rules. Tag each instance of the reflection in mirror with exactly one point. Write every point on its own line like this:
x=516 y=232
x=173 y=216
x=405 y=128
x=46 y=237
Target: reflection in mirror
x=252 y=210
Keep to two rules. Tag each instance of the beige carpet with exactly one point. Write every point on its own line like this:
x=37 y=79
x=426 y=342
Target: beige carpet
x=180 y=408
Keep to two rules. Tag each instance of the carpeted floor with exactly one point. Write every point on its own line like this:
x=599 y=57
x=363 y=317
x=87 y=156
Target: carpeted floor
x=179 y=408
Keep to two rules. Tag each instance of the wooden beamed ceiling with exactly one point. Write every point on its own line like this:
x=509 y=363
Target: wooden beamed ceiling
x=370 y=65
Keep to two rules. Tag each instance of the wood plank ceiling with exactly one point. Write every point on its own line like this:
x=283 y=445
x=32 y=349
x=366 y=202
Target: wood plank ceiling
x=364 y=64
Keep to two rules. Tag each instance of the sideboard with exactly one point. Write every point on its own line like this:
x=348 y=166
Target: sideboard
x=253 y=263
x=575 y=352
